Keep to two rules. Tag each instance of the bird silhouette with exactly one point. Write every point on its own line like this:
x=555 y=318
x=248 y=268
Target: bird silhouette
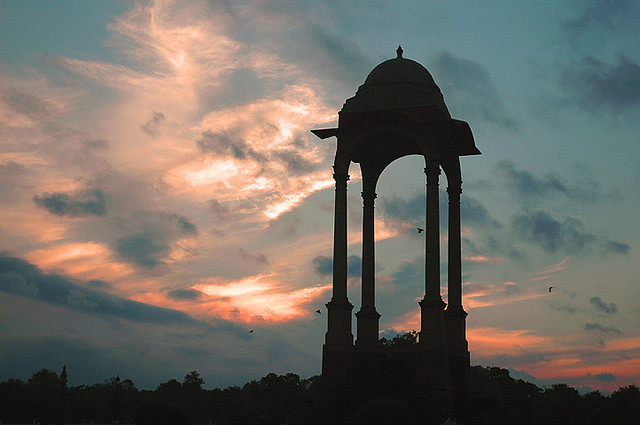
x=550 y=288
x=419 y=229
x=251 y=331
x=318 y=311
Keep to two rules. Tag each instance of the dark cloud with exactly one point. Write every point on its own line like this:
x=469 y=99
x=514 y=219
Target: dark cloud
x=531 y=189
x=97 y=144
x=604 y=377
x=595 y=86
x=541 y=229
x=97 y=283
x=338 y=57
x=223 y=144
x=413 y=211
x=12 y=168
x=409 y=274
x=152 y=126
x=599 y=327
x=324 y=265
x=469 y=90
x=293 y=162
x=602 y=306
x=183 y=224
x=19 y=277
x=90 y=202
x=185 y=294
x=602 y=16
x=151 y=240
x=565 y=308
x=142 y=249
x=26 y=104
x=405 y=210
x=20 y=357
x=219 y=210
x=259 y=258
x=616 y=247
x=473 y=212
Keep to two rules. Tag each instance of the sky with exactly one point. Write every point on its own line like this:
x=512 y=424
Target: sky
x=162 y=195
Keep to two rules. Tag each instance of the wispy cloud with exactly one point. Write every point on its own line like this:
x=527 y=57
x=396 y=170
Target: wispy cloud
x=602 y=306
x=599 y=327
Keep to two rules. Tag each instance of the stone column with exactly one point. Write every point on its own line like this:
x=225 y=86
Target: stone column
x=455 y=316
x=368 y=317
x=455 y=254
x=339 y=308
x=432 y=306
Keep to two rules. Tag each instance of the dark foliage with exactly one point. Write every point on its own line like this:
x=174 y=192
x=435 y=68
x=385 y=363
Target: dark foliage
x=287 y=399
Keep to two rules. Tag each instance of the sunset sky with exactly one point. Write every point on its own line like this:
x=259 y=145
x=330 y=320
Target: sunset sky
x=161 y=194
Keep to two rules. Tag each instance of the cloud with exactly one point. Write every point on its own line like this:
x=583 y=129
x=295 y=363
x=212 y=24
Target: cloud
x=616 y=247
x=596 y=86
x=222 y=144
x=541 y=229
x=142 y=249
x=602 y=16
x=531 y=189
x=20 y=277
x=26 y=104
x=405 y=210
x=182 y=223
x=473 y=212
x=89 y=202
x=602 y=306
x=324 y=265
x=604 y=377
x=185 y=294
x=566 y=308
x=152 y=127
x=469 y=90
x=599 y=327
x=258 y=258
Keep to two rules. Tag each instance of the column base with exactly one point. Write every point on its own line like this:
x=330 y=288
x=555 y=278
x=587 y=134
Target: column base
x=368 y=327
x=339 y=323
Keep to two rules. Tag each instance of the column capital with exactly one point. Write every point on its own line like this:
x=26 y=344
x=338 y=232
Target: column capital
x=432 y=169
x=340 y=175
x=433 y=174
x=368 y=195
x=455 y=190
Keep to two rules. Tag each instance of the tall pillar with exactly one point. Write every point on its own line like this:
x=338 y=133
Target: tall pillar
x=368 y=317
x=432 y=306
x=455 y=255
x=455 y=316
x=339 y=308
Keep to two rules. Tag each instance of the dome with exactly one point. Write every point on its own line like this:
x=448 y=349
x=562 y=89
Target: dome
x=398 y=83
x=400 y=70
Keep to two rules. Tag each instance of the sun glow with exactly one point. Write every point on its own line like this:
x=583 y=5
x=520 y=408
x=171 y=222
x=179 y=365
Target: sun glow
x=259 y=298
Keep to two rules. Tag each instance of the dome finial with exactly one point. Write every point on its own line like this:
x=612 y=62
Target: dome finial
x=399 y=51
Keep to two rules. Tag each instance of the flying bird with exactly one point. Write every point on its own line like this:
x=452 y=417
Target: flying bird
x=251 y=331
x=419 y=229
x=318 y=311
x=550 y=288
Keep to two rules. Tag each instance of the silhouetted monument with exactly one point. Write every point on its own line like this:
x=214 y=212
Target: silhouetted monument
x=398 y=111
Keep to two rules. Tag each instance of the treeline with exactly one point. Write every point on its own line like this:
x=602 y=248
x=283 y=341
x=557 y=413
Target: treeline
x=283 y=399
x=47 y=399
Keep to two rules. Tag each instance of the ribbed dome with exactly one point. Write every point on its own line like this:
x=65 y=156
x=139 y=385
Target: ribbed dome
x=398 y=83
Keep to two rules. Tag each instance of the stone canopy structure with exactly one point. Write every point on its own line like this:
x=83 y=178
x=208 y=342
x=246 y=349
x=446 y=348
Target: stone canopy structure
x=398 y=111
